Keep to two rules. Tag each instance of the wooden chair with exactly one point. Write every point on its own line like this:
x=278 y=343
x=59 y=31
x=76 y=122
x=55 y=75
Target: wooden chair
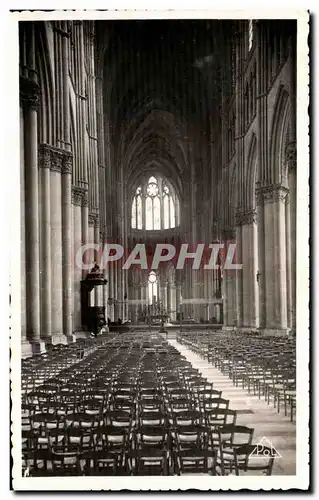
x=248 y=463
x=230 y=438
x=194 y=462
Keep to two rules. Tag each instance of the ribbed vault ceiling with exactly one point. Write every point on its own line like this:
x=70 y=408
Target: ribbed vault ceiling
x=153 y=90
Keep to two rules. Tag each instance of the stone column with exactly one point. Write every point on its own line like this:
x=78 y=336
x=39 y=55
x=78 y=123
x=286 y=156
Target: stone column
x=108 y=294
x=30 y=96
x=145 y=292
x=164 y=295
x=249 y=255
x=56 y=246
x=196 y=309
x=130 y=296
x=291 y=161
x=210 y=294
x=85 y=228
x=217 y=312
x=120 y=286
x=207 y=311
x=206 y=294
x=230 y=316
x=110 y=291
x=172 y=290
x=77 y=194
x=65 y=92
x=260 y=277
x=46 y=287
x=139 y=292
x=105 y=290
x=23 y=235
x=120 y=294
x=288 y=261
x=263 y=161
x=91 y=254
x=67 y=245
x=133 y=295
x=275 y=258
x=232 y=290
x=98 y=290
x=178 y=297
x=115 y=290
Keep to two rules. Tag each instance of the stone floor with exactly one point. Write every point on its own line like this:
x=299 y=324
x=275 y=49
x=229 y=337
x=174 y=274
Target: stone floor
x=266 y=421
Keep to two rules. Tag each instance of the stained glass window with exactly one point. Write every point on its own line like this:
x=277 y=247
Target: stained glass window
x=157 y=213
x=149 y=213
x=137 y=209
x=154 y=205
x=166 y=211
x=172 y=213
x=134 y=213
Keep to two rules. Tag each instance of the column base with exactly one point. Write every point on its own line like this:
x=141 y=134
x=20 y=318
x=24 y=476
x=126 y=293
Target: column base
x=248 y=330
x=81 y=334
x=58 y=338
x=230 y=328
x=71 y=339
x=278 y=332
x=267 y=332
x=26 y=349
x=37 y=346
x=47 y=340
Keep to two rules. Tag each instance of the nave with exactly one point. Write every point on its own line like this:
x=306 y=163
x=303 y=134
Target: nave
x=138 y=404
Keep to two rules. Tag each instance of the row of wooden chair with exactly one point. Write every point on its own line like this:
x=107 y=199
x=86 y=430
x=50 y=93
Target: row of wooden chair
x=265 y=366
x=133 y=405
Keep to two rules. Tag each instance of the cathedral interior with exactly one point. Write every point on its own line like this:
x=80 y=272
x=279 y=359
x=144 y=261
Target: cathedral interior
x=140 y=133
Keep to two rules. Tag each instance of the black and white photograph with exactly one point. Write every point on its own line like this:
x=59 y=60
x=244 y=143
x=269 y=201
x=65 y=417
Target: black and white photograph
x=159 y=283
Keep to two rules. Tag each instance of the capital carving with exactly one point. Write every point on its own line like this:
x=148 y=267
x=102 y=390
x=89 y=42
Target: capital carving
x=244 y=218
x=229 y=233
x=29 y=92
x=85 y=198
x=56 y=160
x=77 y=194
x=67 y=163
x=291 y=155
x=271 y=193
x=92 y=219
x=44 y=156
x=259 y=197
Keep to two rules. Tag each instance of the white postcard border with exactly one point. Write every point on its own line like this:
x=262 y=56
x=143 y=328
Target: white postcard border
x=173 y=483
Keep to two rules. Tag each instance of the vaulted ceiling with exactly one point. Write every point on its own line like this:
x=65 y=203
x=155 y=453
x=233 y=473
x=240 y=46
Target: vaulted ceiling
x=156 y=97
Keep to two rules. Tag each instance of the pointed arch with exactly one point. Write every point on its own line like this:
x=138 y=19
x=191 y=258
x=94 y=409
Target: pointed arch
x=73 y=136
x=46 y=115
x=277 y=137
x=154 y=203
x=286 y=134
x=251 y=174
x=233 y=197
